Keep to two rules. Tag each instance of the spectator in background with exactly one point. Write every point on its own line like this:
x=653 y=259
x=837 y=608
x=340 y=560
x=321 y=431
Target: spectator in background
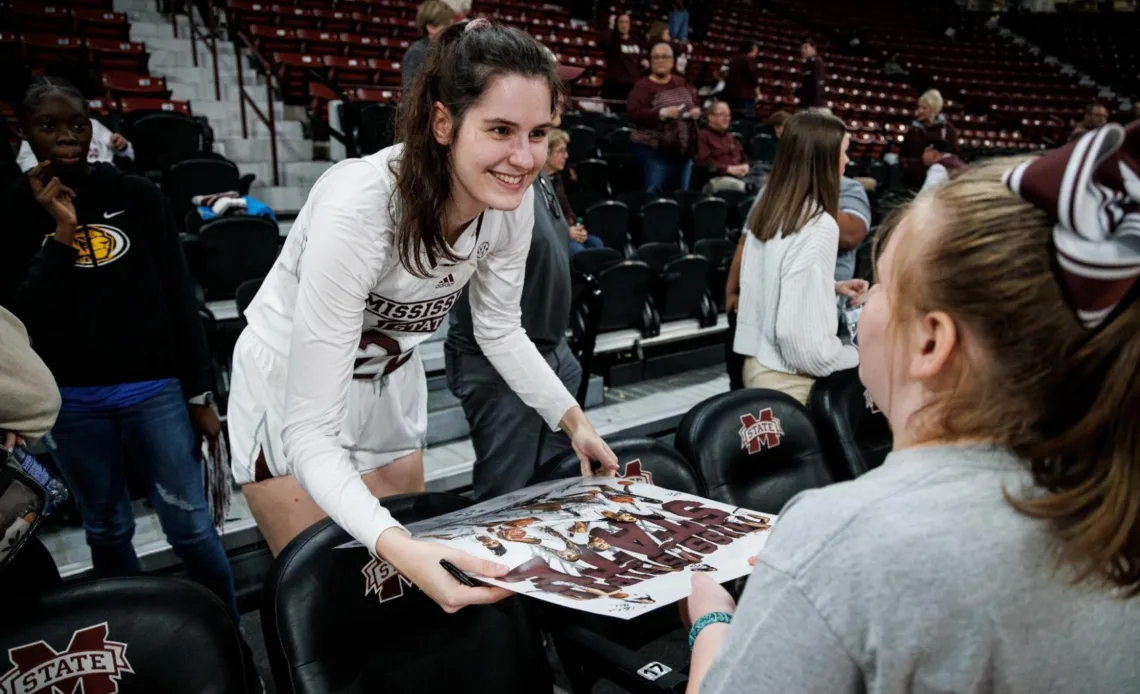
x=786 y=323
x=719 y=151
x=679 y=20
x=742 y=88
x=659 y=33
x=563 y=213
x=106 y=145
x=778 y=120
x=1096 y=115
x=813 y=83
x=432 y=17
x=941 y=163
x=623 y=61
x=663 y=111
x=134 y=370
x=892 y=69
x=929 y=124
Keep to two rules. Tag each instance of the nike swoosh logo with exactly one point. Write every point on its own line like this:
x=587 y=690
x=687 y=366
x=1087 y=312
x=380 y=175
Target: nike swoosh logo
x=108 y=215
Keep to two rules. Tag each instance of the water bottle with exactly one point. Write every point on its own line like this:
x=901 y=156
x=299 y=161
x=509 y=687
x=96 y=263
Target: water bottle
x=56 y=490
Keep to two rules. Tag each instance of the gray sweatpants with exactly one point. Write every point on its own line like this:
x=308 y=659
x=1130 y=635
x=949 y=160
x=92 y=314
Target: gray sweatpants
x=510 y=439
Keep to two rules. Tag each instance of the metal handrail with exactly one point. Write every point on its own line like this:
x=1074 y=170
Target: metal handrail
x=209 y=38
x=243 y=40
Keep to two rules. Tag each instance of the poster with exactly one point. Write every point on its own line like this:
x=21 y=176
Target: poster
x=609 y=546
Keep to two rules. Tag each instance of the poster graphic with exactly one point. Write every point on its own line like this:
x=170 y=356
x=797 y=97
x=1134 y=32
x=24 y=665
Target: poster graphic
x=615 y=547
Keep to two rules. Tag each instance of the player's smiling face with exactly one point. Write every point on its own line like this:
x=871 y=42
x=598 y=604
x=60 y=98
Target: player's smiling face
x=501 y=144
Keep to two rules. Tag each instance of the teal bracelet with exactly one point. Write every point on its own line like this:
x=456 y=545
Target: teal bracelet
x=700 y=624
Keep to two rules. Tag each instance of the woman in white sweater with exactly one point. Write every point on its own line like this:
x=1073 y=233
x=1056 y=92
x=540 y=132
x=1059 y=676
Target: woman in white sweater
x=787 y=324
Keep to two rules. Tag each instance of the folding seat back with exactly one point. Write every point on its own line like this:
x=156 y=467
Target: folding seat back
x=660 y=221
x=719 y=253
x=245 y=294
x=234 y=250
x=643 y=460
x=625 y=288
x=592 y=261
x=605 y=124
x=617 y=141
x=763 y=148
x=135 y=635
x=681 y=290
x=657 y=255
x=625 y=175
x=583 y=143
x=375 y=127
x=710 y=219
x=129 y=84
x=163 y=139
x=593 y=176
x=854 y=433
x=755 y=448
x=336 y=619
x=114 y=54
x=387 y=72
x=192 y=177
x=633 y=199
x=609 y=221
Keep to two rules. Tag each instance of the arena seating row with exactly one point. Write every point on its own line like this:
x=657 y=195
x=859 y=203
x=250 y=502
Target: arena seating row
x=38 y=49
x=325 y=602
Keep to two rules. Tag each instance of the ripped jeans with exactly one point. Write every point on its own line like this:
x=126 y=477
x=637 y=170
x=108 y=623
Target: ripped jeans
x=91 y=452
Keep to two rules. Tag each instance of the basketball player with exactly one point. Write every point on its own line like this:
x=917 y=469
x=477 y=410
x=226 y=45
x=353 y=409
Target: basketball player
x=329 y=402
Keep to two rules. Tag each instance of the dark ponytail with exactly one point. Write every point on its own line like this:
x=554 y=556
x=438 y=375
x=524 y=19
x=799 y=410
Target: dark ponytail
x=461 y=66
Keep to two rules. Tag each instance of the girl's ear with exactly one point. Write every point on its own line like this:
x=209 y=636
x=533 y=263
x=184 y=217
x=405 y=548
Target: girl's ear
x=937 y=341
x=441 y=124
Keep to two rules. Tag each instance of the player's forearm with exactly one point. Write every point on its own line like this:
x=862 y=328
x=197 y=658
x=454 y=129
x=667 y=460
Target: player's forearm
x=704 y=652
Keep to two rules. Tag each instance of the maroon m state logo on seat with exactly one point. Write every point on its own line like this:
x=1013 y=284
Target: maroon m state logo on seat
x=91 y=664
x=381 y=578
x=760 y=431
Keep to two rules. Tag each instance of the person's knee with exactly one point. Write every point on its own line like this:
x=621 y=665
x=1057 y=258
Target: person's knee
x=108 y=530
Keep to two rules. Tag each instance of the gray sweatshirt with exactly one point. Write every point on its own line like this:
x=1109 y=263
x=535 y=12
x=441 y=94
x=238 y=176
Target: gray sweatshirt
x=29 y=397
x=918 y=577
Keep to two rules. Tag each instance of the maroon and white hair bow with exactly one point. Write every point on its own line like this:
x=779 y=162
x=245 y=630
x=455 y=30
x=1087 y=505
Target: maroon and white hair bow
x=1091 y=188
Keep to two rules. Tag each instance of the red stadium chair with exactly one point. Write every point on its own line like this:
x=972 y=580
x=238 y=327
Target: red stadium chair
x=388 y=73
x=270 y=39
x=320 y=42
x=291 y=71
x=112 y=54
x=334 y=20
x=41 y=49
x=349 y=70
x=138 y=104
x=37 y=18
x=244 y=14
x=102 y=23
x=129 y=84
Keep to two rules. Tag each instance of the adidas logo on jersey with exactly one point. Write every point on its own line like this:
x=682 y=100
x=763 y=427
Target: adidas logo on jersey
x=446 y=282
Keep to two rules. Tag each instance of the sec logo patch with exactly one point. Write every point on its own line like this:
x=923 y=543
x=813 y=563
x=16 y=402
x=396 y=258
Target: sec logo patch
x=481 y=252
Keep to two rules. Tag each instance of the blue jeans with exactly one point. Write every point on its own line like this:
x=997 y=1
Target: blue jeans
x=664 y=173
x=591 y=242
x=90 y=448
x=679 y=25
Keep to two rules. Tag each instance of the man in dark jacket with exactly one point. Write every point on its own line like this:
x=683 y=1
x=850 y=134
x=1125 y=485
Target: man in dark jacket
x=93 y=267
x=510 y=438
x=742 y=87
x=813 y=84
x=432 y=17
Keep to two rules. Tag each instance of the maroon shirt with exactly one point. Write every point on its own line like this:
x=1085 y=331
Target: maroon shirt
x=623 y=59
x=812 y=92
x=743 y=76
x=718 y=150
x=914 y=144
x=646 y=100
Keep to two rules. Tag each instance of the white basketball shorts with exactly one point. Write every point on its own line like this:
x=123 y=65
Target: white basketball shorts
x=386 y=417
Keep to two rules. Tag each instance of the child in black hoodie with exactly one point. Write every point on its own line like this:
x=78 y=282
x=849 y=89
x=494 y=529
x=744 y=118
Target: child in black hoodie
x=92 y=266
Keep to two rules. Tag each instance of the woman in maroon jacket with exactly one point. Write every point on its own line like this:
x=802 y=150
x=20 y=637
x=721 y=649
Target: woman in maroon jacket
x=623 y=61
x=663 y=110
x=929 y=125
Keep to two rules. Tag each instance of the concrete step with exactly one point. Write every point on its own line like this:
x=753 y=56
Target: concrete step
x=257 y=149
x=283 y=199
x=305 y=173
x=286 y=129
x=157 y=44
x=204 y=73
x=221 y=111
x=135 y=5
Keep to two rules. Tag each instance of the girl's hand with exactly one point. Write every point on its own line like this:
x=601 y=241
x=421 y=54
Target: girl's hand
x=854 y=290
x=707 y=596
x=590 y=447
x=53 y=196
x=418 y=561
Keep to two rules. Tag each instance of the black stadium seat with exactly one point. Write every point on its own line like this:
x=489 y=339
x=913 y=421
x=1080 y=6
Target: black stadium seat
x=593 y=176
x=719 y=253
x=163 y=139
x=337 y=620
x=591 y=261
x=660 y=221
x=609 y=221
x=136 y=635
x=191 y=177
x=232 y=250
x=375 y=127
x=583 y=143
x=754 y=448
x=243 y=297
x=680 y=283
x=855 y=435
x=625 y=288
x=710 y=219
x=657 y=463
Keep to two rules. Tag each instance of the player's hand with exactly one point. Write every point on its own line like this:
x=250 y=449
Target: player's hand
x=707 y=596
x=590 y=447
x=53 y=196
x=118 y=142
x=854 y=290
x=205 y=420
x=11 y=440
x=418 y=561
x=578 y=233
